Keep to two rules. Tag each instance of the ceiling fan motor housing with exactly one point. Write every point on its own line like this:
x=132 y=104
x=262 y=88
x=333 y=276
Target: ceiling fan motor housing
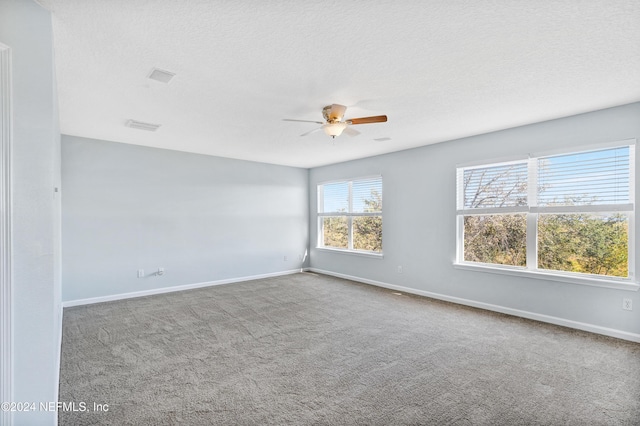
x=333 y=113
x=326 y=112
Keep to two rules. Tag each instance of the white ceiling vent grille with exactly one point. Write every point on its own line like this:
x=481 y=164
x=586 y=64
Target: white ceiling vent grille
x=142 y=126
x=161 y=75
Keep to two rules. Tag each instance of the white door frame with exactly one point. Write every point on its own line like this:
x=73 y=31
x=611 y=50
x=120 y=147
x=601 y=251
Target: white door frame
x=6 y=275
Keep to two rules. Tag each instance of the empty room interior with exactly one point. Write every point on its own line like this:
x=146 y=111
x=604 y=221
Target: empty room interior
x=303 y=212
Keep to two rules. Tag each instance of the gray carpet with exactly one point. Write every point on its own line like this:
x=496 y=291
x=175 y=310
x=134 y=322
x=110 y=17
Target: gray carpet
x=314 y=350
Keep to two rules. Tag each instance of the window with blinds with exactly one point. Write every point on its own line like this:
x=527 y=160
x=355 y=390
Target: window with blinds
x=335 y=197
x=596 y=178
x=568 y=213
x=500 y=186
x=350 y=215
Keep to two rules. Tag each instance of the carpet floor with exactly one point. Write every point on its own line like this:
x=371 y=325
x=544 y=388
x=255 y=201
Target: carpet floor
x=308 y=349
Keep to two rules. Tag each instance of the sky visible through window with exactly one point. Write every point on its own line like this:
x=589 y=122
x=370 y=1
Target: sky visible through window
x=336 y=195
x=596 y=177
x=586 y=178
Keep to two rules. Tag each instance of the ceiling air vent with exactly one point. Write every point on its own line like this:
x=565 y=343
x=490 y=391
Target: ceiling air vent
x=142 y=126
x=382 y=139
x=161 y=75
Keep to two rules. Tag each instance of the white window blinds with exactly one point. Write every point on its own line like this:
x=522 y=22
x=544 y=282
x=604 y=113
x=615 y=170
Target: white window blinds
x=334 y=198
x=367 y=195
x=598 y=179
x=590 y=181
x=358 y=197
x=497 y=187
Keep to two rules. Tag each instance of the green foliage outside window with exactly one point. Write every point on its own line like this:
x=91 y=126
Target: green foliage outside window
x=500 y=239
x=587 y=243
x=336 y=232
x=367 y=233
x=367 y=230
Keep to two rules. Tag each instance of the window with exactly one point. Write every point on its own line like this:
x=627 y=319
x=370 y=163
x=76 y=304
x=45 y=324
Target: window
x=350 y=215
x=569 y=213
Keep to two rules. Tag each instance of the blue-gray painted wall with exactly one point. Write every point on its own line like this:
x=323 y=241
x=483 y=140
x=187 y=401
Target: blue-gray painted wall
x=419 y=217
x=201 y=218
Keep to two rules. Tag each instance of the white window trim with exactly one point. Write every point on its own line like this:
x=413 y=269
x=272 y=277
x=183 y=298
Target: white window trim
x=531 y=270
x=568 y=277
x=349 y=215
x=364 y=253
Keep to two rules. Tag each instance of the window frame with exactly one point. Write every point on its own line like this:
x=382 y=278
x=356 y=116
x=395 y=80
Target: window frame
x=533 y=211
x=320 y=213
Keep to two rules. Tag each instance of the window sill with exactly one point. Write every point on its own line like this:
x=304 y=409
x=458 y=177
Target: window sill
x=352 y=252
x=520 y=272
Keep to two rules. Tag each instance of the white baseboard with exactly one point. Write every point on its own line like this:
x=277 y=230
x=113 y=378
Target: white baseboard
x=633 y=337
x=112 y=297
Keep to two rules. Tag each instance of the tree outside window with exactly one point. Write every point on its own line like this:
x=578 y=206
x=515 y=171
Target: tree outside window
x=350 y=215
x=575 y=206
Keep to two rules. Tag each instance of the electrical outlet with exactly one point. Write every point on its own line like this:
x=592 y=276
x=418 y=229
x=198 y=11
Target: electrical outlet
x=285 y=258
x=140 y=273
x=399 y=269
x=627 y=304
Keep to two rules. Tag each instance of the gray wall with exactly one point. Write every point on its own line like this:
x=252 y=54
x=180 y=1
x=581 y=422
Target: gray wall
x=26 y=28
x=202 y=218
x=419 y=231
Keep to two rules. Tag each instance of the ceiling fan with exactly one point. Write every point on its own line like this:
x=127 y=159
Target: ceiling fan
x=334 y=124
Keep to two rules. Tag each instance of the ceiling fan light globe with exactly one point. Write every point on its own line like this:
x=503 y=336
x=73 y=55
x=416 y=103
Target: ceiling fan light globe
x=334 y=129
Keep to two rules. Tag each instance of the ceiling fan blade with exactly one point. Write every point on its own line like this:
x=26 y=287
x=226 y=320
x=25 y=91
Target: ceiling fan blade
x=367 y=120
x=302 y=121
x=337 y=112
x=351 y=132
x=312 y=131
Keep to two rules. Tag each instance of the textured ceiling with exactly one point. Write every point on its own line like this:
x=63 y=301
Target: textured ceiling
x=440 y=70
